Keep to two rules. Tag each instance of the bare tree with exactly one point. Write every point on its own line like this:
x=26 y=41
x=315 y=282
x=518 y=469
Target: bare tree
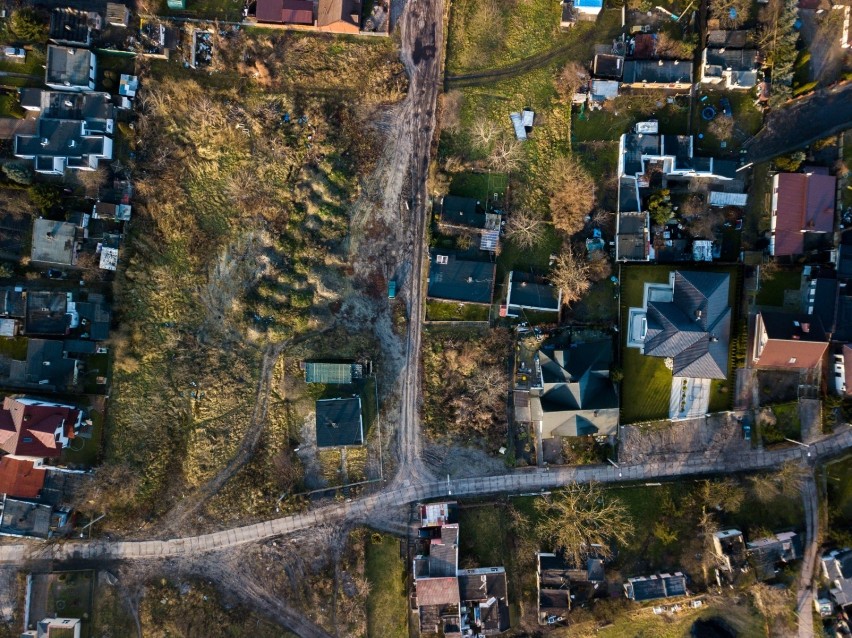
x=506 y=155
x=484 y=132
x=599 y=266
x=722 y=127
x=570 y=274
x=524 y=228
x=787 y=480
x=572 y=195
x=776 y=607
x=571 y=78
x=583 y=520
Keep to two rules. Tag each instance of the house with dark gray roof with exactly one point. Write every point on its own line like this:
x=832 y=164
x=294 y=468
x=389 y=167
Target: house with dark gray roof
x=339 y=422
x=657 y=74
x=485 y=602
x=73 y=27
x=452 y=278
x=820 y=297
x=47 y=313
x=70 y=68
x=643 y=588
x=766 y=554
x=47 y=368
x=562 y=585
x=95 y=110
x=571 y=393
x=527 y=292
x=462 y=212
x=687 y=322
x=837 y=570
x=25 y=518
x=728 y=61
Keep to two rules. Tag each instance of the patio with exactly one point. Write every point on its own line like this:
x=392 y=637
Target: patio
x=690 y=398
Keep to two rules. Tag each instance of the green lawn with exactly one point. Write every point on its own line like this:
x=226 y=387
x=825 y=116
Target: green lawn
x=537 y=258
x=610 y=123
x=747 y=121
x=788 y=424
x=455 y=311
x=230 y=10
x=110 y=68
x=14 y=348
x=755 y=516
x=487 y=34
x=839 y=489
x=771 y=291
x=10 y=105
x=481 y=186
x=32 y=65
x=85 y=452
x=482 y=538
x=647 y=384
x=387 y=609
x=646 y=388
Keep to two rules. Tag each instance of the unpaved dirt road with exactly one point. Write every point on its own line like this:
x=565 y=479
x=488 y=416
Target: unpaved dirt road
x=366 y=509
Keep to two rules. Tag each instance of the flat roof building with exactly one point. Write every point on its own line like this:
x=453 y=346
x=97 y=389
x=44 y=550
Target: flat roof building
x=70 y=69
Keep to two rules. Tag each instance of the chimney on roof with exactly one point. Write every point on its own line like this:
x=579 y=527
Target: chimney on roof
x=806 y=328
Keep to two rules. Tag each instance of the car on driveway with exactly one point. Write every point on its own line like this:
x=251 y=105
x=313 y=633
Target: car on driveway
x=726 y=107
x=14 y=52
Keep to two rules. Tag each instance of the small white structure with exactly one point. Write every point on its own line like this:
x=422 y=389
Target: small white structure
x=518 y=125
x=109 y=258
x=128 y=85
x=702 y=250
x=720 y=199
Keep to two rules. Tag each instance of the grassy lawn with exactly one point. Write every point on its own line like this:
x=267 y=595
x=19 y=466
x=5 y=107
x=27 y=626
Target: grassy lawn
x=624 y=112
x=98 y=365
x=747 y=121
x=14 y=348
x=482 y=541
x=646 y=388
x=387 y=612
x=83 y=451
x=230 y=10
x=536 y=259
x=741 y=617
x=839 y=489
x=771 y=291
x=110 y=68
x=69 y=595
x=721 y=397
x=757 y=218
x=491 y=34
x=10 y=105
x=601 y=160
x=787 y=424
x=481 y=186
x=32 y=65
x=755 y=516
x=454 y=311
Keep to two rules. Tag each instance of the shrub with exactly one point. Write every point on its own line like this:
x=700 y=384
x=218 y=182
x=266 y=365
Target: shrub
x=18 y=173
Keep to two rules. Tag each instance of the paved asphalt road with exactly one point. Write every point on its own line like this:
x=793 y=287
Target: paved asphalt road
x=363 y=510
x=802 y=122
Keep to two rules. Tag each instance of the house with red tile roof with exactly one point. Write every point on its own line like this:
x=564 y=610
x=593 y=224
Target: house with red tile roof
x=801 y=203
x=21 y=478
x=35 y=429
x=787 y=340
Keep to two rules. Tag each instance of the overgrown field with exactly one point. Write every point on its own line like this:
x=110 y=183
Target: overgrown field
x=238 y=243
x=464 y=386
x=487 y=34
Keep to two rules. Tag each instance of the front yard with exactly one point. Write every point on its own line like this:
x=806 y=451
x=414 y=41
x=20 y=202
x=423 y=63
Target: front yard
x=646 y=388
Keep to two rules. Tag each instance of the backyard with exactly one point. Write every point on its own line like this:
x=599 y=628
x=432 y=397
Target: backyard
x=774 y=288
x=838 y=482
x=387 y=613
x=453 y=311
x=646 y=388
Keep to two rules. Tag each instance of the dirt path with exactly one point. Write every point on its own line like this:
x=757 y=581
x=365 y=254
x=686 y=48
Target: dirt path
x=526 y=65
x=177 y=517
x=364 y=510
x=805 y=593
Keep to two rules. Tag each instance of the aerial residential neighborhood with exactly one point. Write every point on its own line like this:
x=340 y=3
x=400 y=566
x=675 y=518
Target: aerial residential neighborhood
x=452 y=318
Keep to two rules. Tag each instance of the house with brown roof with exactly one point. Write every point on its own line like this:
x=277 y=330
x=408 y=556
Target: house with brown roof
x=35 y=429
x=801 y=203
x=339 y=16
x=787 y=340
x=285 y=11
x=21 y=478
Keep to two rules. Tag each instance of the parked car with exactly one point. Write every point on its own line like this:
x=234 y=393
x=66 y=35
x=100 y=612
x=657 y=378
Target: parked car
x=14 y=52
x=54 y=273
x=726 y=107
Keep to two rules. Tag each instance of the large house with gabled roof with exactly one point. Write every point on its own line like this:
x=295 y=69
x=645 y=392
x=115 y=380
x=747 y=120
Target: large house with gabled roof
x=688 y=322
